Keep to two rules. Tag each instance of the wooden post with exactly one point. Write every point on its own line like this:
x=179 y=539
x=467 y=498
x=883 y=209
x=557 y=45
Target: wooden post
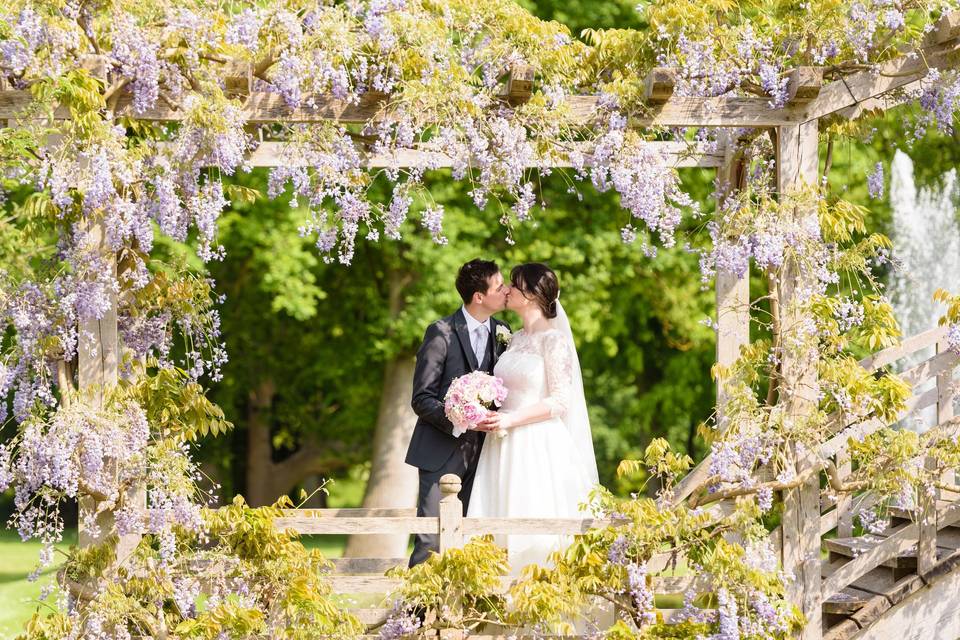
x=797 y=167
x=927 y=521
x=733 y=291
x=451 y=513
x=97 y=356
x=844 y=501
x=946 y=393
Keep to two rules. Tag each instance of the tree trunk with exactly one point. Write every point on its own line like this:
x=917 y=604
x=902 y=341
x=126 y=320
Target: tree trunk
x=259 y=485
x=392 y=483
x=268 y=480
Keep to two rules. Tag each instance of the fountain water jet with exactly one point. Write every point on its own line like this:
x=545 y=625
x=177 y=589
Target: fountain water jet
x=926 y=237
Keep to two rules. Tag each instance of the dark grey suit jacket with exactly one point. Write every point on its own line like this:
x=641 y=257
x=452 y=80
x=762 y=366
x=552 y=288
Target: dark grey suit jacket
x=444 y=355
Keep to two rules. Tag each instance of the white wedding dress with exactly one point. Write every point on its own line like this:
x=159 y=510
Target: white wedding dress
x=544 y=469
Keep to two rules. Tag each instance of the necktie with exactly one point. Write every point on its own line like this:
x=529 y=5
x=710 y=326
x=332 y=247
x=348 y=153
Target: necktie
x=479 y=342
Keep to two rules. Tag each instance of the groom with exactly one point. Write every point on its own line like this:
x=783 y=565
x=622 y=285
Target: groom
x=452 y=347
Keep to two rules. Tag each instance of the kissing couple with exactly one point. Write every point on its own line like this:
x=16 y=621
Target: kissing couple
x=542 y=464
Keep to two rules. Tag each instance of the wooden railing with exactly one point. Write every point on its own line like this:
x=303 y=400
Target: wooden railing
x=355 y=576
x=919 y=526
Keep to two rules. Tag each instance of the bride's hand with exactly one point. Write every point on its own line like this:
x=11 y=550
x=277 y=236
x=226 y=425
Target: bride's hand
x=495 y=421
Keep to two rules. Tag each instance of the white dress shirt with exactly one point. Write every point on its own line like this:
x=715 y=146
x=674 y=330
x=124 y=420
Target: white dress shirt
x=479 y=334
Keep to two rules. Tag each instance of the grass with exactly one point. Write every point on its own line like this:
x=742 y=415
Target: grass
x=17 y=595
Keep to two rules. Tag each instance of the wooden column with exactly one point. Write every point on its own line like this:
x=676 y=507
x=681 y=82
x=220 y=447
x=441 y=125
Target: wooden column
x=98 y=359
x=946 y=394
x=797 y=169
x=98 y=356
x=733 y=291
x=451 y=513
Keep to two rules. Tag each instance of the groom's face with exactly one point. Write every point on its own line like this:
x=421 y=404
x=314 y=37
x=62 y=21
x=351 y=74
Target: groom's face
x=495 y=299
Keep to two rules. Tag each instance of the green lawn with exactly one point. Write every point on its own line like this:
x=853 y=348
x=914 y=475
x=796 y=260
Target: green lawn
x=19 y=597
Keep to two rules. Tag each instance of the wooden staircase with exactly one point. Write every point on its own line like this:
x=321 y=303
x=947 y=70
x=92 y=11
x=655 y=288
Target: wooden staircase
x=896 y=583
x=852 y=611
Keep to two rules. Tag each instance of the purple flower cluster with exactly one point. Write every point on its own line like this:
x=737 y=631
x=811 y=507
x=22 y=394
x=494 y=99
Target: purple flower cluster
x=953 y=337
x=875 y=186
x=136 y=56
x=871 y=521
x=244 y=28
x=733 y=459
x=939 y=101
x=649 y=189
x=18 y=52
x=729 y=623
x=641 y=593
x=774 y=84
x=399 y=624
x=76 y=449
x=849 y=313
x=432 y=218
x=222 y=143
x=617 y=554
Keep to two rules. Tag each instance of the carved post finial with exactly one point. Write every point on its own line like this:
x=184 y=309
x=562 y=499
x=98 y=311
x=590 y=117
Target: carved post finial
x=450 y=485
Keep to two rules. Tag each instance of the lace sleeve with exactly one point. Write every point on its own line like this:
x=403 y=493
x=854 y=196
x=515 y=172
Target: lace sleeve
x=558 y=364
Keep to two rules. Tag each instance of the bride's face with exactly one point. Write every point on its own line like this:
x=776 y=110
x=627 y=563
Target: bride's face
x=516 y=300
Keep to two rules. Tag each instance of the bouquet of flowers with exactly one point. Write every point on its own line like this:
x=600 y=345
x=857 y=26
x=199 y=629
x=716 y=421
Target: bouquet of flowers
x=469 y=397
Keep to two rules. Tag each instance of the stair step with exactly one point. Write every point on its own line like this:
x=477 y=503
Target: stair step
x=905 y=513
x=847 y=601
x=857 y=546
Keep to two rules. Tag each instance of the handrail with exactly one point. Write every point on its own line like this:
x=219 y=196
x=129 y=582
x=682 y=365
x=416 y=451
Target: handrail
x=689 y=483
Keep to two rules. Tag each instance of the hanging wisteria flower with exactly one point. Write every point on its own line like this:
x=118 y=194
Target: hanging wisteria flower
x=640 y=592
x=432 y=219
x=875 y=185
x=470 y=398
x=953 y=338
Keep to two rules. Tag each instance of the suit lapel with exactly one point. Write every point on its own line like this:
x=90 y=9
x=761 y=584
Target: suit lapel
x=496 y=343
x=460 y=324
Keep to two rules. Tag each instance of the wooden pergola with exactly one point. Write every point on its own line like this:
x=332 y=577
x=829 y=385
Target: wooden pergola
x=795 y=129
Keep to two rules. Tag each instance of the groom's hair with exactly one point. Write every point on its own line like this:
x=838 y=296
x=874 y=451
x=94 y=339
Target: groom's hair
x=473 y=276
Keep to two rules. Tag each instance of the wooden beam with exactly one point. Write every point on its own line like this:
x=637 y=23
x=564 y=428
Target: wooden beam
x=275 y=154
x=659 y=84
x=265 y=108
x=520 y=83
x=891 y=75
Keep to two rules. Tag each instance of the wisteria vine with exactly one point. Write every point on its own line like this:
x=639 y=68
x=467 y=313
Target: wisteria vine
x=428 y=77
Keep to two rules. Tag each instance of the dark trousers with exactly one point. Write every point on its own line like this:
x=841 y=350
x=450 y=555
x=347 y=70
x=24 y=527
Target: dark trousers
x=463 y=463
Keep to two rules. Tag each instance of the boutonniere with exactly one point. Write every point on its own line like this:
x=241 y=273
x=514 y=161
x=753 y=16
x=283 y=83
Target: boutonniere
x=503 y=335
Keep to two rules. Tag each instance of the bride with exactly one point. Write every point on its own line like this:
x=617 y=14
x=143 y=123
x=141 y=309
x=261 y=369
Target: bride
x=542 y=464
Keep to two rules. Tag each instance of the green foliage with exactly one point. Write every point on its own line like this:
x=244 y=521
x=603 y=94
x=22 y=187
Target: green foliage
x=227 y=618
x=458 y=589
x=285 y=591
x=176 y=405
x=952 y=316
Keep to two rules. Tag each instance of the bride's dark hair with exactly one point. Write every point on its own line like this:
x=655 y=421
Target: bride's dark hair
x=538 y=282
